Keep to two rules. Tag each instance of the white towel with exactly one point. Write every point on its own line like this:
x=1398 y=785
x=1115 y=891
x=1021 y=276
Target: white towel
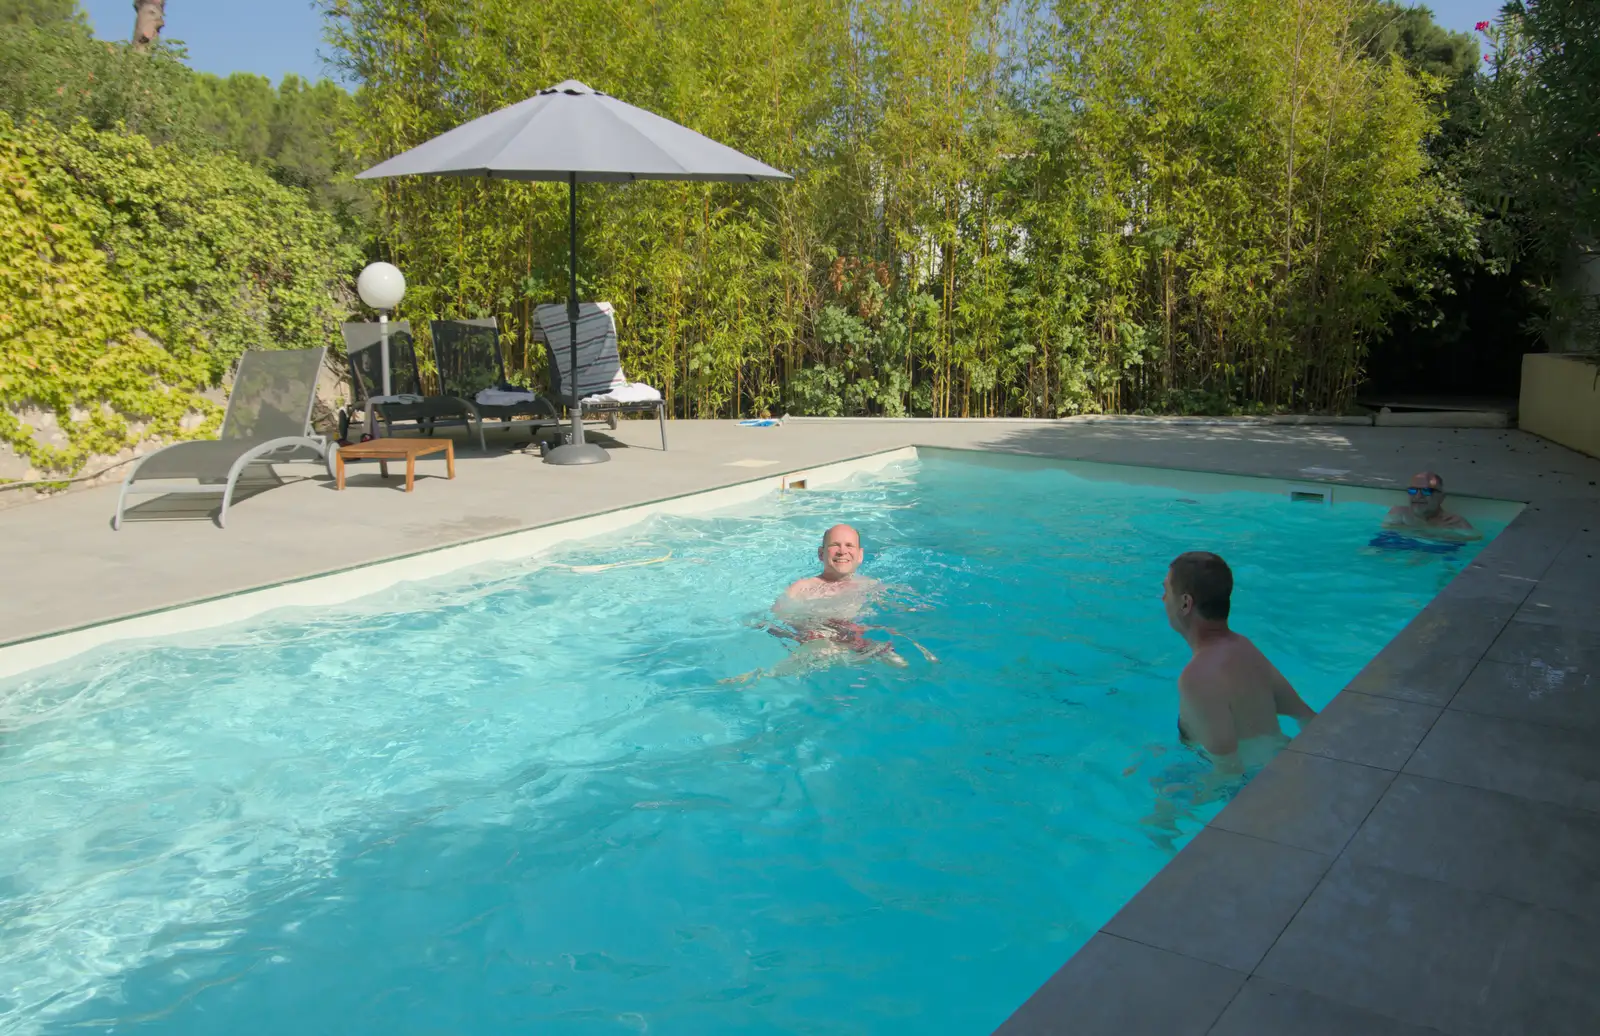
x=505 y=397
x=632 y=392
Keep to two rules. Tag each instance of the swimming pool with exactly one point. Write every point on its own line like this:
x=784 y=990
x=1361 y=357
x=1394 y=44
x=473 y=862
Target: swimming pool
x=521 y=798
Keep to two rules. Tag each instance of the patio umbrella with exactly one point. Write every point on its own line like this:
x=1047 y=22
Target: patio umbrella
x=570 y=132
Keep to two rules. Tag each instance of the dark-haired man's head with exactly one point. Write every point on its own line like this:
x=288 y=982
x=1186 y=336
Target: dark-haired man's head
x=1198 y=587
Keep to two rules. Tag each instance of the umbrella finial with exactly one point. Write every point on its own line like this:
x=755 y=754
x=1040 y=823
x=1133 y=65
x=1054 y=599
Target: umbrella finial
x=570 y=86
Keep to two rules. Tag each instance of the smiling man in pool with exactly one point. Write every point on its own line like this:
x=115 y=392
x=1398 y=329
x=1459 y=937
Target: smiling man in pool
x=1229 y=695
x=819 y=612
x=1424 y=513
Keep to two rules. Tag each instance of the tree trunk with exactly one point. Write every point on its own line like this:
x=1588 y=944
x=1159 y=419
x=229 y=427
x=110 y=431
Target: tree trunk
x=148 y=18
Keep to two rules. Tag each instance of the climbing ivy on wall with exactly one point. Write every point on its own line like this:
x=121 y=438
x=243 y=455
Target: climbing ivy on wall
x=134 y=275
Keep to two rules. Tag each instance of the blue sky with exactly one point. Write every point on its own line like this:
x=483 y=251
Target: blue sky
x=275 y=37
x=268 y=37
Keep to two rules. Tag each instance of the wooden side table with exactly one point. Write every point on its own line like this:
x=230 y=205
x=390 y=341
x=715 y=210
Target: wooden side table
x=385 y=450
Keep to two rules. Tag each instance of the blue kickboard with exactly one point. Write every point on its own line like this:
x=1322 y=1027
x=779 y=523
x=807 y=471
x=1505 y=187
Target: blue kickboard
x=1396 y=541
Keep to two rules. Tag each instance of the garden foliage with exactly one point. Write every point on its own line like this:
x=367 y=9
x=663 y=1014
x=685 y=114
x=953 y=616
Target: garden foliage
x=136 y=267
x=1000 y=207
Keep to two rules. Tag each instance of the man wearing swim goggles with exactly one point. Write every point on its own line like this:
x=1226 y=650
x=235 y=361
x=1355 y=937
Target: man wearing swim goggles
x=1424 y=513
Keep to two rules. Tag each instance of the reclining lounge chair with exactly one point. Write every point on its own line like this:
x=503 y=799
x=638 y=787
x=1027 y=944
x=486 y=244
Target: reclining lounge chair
x=407 y=403
x=471 y=367
x=602 y=387
x=267 y=420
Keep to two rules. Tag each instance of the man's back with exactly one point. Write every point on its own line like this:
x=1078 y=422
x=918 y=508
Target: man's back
x=1230 y=697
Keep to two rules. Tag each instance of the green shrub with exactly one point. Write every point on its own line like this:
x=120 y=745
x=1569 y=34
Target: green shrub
x=133 y=275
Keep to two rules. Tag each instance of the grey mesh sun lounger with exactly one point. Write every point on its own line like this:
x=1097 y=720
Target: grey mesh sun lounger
x=468 y=358
x=423 y=411
x=268 y=420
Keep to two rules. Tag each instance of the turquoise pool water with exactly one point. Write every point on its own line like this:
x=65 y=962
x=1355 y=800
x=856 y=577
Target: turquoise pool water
x=522 y=800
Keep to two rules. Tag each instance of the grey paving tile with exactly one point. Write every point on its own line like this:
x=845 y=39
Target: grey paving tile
x=1531 y=543
x=1486 y=841
x=1305 y=801
x=1367 y=729
x=1433 y=655
x=1547 y=764
x=1113 y=987
x=1266 y=1008
x=1561 y=696
x=1576 y=568
x=1482 y=582
x=1223 y=899
x=1574 y=608
x=1548 y=644
x=1428 y=953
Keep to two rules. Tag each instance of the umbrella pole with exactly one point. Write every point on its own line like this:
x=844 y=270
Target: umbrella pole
x=577 y=451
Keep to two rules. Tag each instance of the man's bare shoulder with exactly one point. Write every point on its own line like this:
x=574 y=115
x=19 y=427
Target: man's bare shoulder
x=803 y=588
x=1217 y=667
x=1200 y=678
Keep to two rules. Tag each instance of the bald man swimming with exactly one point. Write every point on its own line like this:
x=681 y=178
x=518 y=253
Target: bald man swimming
x=820 y=612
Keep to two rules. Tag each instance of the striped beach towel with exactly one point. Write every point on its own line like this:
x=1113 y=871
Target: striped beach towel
x=599 y=364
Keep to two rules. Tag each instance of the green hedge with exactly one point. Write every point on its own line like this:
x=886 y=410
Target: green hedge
x=133 y=275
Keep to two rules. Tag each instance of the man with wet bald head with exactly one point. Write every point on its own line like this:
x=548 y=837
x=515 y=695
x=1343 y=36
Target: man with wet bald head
x=840 y=555
x=1424 y=513
x=820 y=611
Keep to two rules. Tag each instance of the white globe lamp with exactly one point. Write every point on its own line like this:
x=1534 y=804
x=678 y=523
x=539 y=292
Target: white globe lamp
x=382 y=286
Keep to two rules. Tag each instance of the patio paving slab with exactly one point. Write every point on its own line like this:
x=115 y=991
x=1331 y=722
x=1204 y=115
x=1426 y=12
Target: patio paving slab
x=1437 y=955
x=1531 y=760
x=1369 y=729
x=1117 y=987
x=1536 y=853
x=1308 y=802
x=1266 y=1008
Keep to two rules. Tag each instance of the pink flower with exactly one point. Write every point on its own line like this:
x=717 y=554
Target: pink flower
x=1486 y=57
x=1482 y=27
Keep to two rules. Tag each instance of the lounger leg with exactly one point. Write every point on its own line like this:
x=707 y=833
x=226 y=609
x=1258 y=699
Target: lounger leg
x=450 y=458
x=227 y=495
x=661 y=416
x=122 y=494
x=411 y=470
x=383 y=468
x=338 y=476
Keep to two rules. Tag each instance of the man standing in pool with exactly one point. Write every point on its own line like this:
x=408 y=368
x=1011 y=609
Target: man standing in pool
x=1229 y=695
x=1424 y=514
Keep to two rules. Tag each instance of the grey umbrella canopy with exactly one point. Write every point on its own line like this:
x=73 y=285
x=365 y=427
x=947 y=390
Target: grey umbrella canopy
x=570 y=132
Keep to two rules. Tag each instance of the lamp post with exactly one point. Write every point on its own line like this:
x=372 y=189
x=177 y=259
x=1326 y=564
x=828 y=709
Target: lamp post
x=382 y=286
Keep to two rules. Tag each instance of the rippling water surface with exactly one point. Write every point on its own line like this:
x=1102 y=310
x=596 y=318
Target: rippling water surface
x=522 y=800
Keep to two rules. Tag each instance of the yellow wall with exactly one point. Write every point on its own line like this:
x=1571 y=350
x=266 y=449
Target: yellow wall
x=1561 y=400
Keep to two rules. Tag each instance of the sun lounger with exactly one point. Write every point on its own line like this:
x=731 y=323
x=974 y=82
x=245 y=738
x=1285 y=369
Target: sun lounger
x=602 y=387
x=268 y=421
x=471 y=367
x=407 y=402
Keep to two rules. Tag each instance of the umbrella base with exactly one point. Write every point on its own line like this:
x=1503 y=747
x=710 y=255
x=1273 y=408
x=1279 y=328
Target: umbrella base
x=577 y=453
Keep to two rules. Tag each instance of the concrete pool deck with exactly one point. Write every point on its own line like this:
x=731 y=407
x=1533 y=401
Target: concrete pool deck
x=1425 y=858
